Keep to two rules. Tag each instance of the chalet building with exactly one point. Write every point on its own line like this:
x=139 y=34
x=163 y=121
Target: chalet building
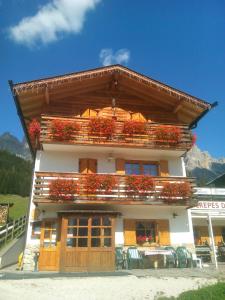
x=108 y=145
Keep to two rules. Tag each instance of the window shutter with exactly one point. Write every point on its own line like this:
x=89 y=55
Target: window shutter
x=138 y=117
x=89 y=113
x=164 y=169
x=163 y=232
x=83 y=165
x=129 y=232
x=120 y=166
x=92 y=166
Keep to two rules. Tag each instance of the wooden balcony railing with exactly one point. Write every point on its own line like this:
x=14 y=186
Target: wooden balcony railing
x=77 y=188
x=148 y=140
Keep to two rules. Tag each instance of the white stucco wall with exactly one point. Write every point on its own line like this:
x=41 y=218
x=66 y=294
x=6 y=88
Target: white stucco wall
x=52 y=161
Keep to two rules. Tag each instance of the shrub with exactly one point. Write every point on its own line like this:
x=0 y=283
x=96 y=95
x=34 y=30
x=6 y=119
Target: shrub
x=140 y=183
x=34 y=130
x=64 y=130
x=62 y=189
x=168 y=133
x=132 y=127
x=102 y=127
x=173 y=191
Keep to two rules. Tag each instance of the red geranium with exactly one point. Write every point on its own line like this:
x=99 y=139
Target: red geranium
x=173 y=191
x=143 y=238
x=63 y=189
x=168 y=133
x=34 y=130
x=193 y=139
x=102 y=126
x=140 y=183
x=64 y=130
x=96 y=182
x=134 y=127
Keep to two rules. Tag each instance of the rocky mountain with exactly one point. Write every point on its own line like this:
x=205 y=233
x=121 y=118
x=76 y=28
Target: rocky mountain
x=203 y=166
x=11 y=144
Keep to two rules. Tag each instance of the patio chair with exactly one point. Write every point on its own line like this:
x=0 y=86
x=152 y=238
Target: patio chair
x=134 y=259
x=121 y=262
x=171 y=260
x=184 y=257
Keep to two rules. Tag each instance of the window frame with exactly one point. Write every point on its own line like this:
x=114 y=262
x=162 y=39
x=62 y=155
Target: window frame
x=148 y=221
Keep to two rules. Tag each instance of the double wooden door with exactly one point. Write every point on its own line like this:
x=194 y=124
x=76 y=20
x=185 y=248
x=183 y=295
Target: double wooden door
x=87 y=243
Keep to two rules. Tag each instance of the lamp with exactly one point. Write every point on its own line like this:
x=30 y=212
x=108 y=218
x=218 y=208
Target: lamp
x=175 y=215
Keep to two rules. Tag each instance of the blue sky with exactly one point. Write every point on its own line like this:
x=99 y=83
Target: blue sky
x=181 y=43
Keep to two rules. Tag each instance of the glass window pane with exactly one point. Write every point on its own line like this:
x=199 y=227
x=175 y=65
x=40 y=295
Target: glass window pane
x=47 y=234
x=95 y=231
x=96 y=221
x=106 y=221
x=83 y=231
x=150 y=169
x=82 y=242
x=132 y=169
x=71 y=242
x=83 y=221
x=72 y=221
x=107 y=231
x=107 y=242
x=95 y=242
x=71 y=232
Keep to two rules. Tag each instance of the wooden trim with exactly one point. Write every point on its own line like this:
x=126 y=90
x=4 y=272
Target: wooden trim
x=164 y=168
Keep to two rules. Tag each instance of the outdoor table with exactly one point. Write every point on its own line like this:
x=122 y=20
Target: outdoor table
x=155 y=258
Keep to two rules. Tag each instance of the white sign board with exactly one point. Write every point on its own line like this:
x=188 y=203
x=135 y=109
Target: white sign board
x=210 y=205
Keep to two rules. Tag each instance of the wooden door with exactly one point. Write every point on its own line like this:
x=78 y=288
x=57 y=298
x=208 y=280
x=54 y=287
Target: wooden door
x=49 y=246
x=87 y=243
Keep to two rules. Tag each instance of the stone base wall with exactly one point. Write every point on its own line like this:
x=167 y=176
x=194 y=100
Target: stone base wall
x=28 y=257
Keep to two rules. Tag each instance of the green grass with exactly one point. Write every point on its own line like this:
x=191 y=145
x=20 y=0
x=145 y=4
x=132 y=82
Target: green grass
x=19 y=208
x=212 y=292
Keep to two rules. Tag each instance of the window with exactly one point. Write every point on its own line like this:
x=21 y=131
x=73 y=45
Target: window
x=145 y=232
x=50 y=234
x=141 y=168
x=36 y=230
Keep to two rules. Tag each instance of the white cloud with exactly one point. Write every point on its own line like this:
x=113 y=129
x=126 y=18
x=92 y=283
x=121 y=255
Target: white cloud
x=107 y=57
x=51 y=21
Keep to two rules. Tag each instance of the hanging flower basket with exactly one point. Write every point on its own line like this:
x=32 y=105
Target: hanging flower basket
x=63 y=130
x=34 y=130
x=132 y=127
x=96 y=183
x=167 y=134
x=63 y=189
x=140 y=183
x=102 y=127
x=174 y=192
x=193 y=139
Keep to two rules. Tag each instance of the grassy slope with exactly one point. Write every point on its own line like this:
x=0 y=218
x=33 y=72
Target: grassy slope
x=20 y=206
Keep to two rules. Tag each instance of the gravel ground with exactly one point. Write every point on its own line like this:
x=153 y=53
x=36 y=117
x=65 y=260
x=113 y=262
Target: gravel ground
x=128 y=287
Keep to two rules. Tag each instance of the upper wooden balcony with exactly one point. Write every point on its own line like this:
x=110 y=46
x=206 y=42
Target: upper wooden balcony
x=173 y=137
x=76 y=188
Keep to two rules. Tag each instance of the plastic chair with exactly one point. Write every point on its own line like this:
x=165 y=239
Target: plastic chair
x=134 y=258
x=182 y=257
x=120 y=258
x=171 y=260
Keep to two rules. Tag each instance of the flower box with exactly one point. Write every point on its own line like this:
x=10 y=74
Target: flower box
x=167 y=134
x=140 y=184
x=174 y=192
x=102 y=127
x=63 y=189
x=64 y=130
x=95 y=183
x=132 y=127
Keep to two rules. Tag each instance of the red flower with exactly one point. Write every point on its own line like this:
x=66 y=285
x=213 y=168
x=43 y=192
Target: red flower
x=134 y=127
x=193 y=139
x=96 y=182
x=63 y=189
x=34 y=130
x=143 y=238
x=102 y=126
x=63 y=129
x=168 y=133
x=140 y=183
x=173 y=191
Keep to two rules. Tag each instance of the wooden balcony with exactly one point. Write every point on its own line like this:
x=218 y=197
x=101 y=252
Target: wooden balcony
x=75 y=188
x=118 y=138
